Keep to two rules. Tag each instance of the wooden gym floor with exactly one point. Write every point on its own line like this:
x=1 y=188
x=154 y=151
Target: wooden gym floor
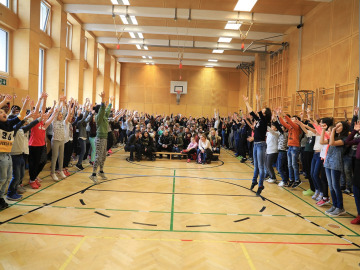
x=172 y=215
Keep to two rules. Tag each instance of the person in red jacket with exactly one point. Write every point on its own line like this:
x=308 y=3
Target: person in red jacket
x=294 y=147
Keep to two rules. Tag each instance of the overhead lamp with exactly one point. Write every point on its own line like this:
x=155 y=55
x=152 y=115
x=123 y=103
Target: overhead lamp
x=218 y=51
x=124 y=19
x=232 y=25
x=132 y=34
x=138 y=47
x=245 y=5
x=208 y=66
x=115 y=2
x=150 y=57
x=146 y=48
x=212 y=60
x=144 y=57
x=147 y=63
x=126 y=2
x=140 y=35
x=224 y=39
x=133 y=19
x=121 y=2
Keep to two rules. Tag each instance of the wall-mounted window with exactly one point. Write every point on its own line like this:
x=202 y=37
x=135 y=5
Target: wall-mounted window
x=85 y=48
x=97 y=59
x=5 y=3
x=41 y=71
x=45 y=16
x=4 y=51
x=68 y=35
x=66 y=77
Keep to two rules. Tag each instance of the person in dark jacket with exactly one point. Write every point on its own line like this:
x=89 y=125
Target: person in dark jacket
x=147 y=146
x=165 y=143
x=178 y=143
x=134 y=144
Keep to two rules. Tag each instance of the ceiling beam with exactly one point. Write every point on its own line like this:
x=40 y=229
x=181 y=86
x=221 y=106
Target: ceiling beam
x=182 y=31
x=196 y=14
x=182 y=43
x=176 y=62
x=175 y=55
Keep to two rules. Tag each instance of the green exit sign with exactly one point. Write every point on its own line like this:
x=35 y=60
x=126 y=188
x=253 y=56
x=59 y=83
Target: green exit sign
x=2 y=81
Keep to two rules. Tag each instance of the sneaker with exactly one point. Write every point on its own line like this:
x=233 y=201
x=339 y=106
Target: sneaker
x=252 y=162
x=337 y=212
x=316 y=194
x=20 y=189
x=356 y=220
x=54 y=177
x=37 y=182
x=131 y=159
x=14 y=197
x=61 y=174
x=289 y=184
x=33 y=185
x=3 y=204
x=70 y=164
x=320 y=197
x=79 y=167
x=188 y=161
x=110 y=151
x=347 y=191
x=330 y=210
x=260 y=189
x=66 y=172
x=281 y=184
x=323 y=202
x=102 y=175
x=296 y=184
x=243 y=160
x=308 y=192
x=94 y=179
x=253 y=185
x=272 y=181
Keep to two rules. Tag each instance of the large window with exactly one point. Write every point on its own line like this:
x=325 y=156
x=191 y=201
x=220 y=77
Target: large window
x=41 y=71
x=68 y=35
x=45 y=17
x=66 y=77
x=4 y=51
x=85 y=48
x=5 y=2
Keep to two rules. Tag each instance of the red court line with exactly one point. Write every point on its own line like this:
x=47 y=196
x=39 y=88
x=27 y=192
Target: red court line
x=52 y=234
x=191 y=240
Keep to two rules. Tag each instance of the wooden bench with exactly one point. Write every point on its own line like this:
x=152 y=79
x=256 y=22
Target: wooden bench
x=176 y=154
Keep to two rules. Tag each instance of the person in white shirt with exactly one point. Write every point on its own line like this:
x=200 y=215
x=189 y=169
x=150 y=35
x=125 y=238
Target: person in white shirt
x=204 y=152
x=272 y=151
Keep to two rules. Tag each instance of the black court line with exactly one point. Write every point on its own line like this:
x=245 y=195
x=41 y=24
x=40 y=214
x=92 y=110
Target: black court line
x=82 y=202
x=203 y=178
x=242 y=219
x=101 y=214
x=193 y=226
x=262 y=209
x=170 y=193
x=199 y=168
x=146 y=224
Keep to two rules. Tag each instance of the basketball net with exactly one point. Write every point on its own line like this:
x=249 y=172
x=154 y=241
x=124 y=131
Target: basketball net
x=178 y=94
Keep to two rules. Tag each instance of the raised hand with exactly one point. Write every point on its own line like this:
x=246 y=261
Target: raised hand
x=26 y=101
x=356 y=110
x=246 y=99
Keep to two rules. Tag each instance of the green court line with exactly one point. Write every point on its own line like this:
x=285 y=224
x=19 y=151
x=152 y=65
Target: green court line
x=172 y=205
x=167 y=212
x=180 y=231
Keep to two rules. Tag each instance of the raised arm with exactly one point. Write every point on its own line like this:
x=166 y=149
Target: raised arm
x=322 y=136
x=332 y=141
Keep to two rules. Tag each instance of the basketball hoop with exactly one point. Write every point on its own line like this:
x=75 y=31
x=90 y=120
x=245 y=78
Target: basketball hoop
x=178 y=94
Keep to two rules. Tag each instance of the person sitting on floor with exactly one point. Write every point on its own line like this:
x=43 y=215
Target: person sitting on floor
x=134 y=144
x=204 y=151
x=178 y=143
x=165 y=143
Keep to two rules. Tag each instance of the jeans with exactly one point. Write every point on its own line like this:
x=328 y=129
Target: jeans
x=18 y=164
x=5 y=172
x=176 y=150
x=93 y=149
x=270 y=159
x=333 y=177
x=82 y=150
x=282 y=166
x=348 y=171
x=356 y=192
x=293 y=157
x=203 y=156
x=134 y=148
x=316 y=165
x=223 y=137
x=259 y=155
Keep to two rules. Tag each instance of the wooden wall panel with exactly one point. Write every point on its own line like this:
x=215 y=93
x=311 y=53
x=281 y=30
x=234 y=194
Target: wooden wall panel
x=321 y=69
x=339 y=62
x=322 y=29
x=355 y=16
x=137 y=76
x=308 y=37
x=294 y=45
x=354 y=58
x=306 y=73
x=234 y=81
x=341 y=19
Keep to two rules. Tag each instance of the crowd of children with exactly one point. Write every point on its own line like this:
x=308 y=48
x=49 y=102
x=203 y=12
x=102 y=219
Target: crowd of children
x=326 y=150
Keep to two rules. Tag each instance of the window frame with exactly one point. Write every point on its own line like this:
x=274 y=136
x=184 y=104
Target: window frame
x=7 y=52
x=69 y=32
x=41 y=71
x=7 y=4
x=98 y=58
x=66 y=77
x=48 y=15
x=85 y=48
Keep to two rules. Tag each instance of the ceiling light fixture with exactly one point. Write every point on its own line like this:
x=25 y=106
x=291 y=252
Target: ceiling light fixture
x=232 y=25
x=212 y=60
x=225 y=39
x=126 y=2
x=147 y=63
x=138 y=47
x=146 y=48
x=245 y=5
x=115 y=2
x=144 y=57
x=208 y=66
x=132 y=35
x=150 y=57
x=140 y=35
x=218 y=51
x=133 y=19
x=124 y=19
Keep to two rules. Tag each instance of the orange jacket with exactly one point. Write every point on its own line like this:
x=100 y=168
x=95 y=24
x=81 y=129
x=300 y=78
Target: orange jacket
x=294 y=131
